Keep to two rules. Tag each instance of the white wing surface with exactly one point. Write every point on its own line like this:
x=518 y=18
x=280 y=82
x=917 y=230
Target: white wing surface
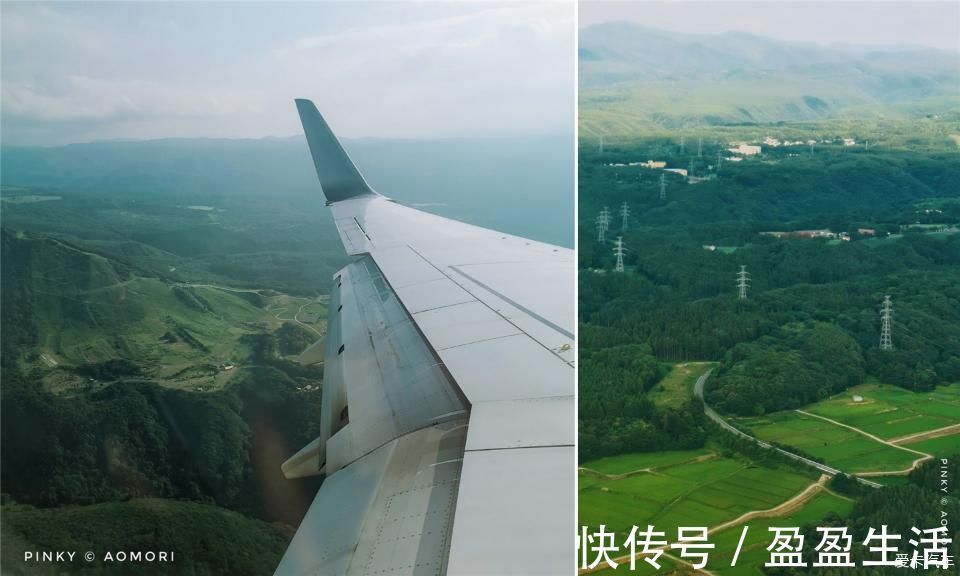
x=448 y=417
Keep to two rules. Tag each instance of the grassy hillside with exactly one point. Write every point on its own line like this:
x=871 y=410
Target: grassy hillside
x=81 y=308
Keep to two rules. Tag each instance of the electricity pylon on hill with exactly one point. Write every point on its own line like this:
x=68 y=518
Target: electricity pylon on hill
x=886 y=324
x=603 y=224
x=743 y=282
x=619 y=249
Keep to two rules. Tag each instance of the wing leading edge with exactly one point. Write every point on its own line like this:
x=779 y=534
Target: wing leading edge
x=447 y=331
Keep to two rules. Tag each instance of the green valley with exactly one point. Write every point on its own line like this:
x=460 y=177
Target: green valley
x=768 y=198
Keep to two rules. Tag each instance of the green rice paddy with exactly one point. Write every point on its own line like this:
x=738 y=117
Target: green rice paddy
x=754 y=554
x=839 y=447
x=890 y=412
x=699 y=492
x=938 y=447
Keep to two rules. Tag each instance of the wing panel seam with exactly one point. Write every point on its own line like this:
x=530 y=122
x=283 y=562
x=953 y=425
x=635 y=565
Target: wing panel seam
x=527 y=334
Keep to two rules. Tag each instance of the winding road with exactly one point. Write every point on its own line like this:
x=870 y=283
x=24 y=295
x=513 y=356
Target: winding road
x=712 y=414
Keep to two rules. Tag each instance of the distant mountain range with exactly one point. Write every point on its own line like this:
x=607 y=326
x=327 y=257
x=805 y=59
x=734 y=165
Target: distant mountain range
x=623 y=53
x=738 y=77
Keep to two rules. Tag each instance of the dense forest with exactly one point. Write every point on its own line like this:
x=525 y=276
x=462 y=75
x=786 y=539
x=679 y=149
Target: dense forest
x=796 y=365
x=137 y=440
x=616 y=413
x=204 y=539
x=810 y=325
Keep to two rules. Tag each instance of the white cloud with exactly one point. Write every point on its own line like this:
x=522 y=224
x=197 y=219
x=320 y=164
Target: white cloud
x=182 y=71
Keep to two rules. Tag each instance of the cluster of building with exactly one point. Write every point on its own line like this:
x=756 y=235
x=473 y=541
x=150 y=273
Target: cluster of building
x=648 y=164
x=770 y=141
x=745 y=149
x=821 y=233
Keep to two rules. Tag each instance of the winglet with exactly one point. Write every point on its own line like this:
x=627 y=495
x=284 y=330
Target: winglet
x=339 y=178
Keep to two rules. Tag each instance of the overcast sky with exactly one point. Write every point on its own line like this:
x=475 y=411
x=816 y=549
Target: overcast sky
x=88 y=71
x=930 y=24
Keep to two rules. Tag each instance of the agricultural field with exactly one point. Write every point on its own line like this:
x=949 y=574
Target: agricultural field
x=626 y=463
x=696 y=492
x=754 y=554
x=891 y=412
x=938 y=447
x=677 y=386
x=837 y=446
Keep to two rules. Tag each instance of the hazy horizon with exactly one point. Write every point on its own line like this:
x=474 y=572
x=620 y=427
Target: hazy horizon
x=934 y=25
x=367 y=139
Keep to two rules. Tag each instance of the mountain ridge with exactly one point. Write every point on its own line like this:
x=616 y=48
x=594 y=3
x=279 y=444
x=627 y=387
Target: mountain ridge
x=637 y=79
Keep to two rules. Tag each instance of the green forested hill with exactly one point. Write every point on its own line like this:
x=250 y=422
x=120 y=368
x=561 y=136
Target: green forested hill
x=811 y=324
x=134 y=440
x=205 y=539
x=120 y=424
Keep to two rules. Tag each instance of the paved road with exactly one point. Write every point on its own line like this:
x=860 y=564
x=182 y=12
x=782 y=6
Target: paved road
x=712 y=414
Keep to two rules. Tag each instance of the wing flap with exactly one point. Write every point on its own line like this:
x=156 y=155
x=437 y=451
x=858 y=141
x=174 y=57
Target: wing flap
x=380 y=375
x=328 y=535
x=388 y=513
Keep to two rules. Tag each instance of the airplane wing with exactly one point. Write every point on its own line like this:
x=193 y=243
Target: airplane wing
x=448 y=423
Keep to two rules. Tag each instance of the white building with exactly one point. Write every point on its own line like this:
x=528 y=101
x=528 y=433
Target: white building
x=745 y=149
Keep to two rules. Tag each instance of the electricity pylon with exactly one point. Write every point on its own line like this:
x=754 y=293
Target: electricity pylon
x=618 y=249
x=886 y=321
x=663 y=186
x=603 y=224
x=601 y=229
x=743 y=282
x=625 y=215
